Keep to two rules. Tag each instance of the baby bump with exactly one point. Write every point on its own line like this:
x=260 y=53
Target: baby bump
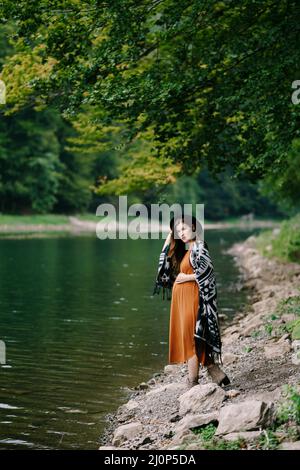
x=186 y=294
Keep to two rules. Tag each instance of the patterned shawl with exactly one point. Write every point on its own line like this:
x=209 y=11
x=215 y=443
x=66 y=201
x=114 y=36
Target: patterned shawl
x=207 y=325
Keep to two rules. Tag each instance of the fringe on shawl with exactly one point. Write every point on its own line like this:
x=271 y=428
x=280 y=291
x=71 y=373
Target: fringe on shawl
x=203 y=347
x=165 y=291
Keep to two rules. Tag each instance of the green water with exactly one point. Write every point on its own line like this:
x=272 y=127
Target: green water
x=81 y=326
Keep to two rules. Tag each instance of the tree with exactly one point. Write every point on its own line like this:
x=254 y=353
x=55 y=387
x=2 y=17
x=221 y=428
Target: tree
x=211 y=79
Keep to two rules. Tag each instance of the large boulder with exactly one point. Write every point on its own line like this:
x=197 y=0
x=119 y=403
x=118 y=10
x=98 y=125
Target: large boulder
x=290 y=445
x=245 y=416
x=201 y=399
x=174 y=387
x=195 y=421
x=126 y=432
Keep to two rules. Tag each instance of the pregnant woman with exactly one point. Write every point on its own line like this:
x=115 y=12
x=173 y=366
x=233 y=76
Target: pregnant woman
x=186 y=271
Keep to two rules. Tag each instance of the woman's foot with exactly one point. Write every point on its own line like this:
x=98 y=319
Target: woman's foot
x=217 y=375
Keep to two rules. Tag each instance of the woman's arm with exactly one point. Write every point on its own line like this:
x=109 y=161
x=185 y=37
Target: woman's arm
x=182 y=277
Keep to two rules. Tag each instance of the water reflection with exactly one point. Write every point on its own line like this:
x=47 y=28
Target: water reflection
x=80 y=326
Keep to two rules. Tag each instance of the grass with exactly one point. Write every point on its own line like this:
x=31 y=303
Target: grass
x=283 y=243
x=35 y=219
x=289 y=411
x=288 y=306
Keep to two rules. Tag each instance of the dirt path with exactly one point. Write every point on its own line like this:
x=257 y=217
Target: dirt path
x=257 y=360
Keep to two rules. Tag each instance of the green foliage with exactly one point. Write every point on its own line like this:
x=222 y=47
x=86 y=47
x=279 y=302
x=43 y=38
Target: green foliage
x=208 y=441
x=296 y=330
x=223 y=196
x=255 y=334
x=221 y=444
x=268 y=440
x=269 y=328
x=287 y=182
x=290 y=305
x=28 y=171
x=206 y=433
x=51 y=219
x=290 y=409
x=283 y=244
x=212 y=80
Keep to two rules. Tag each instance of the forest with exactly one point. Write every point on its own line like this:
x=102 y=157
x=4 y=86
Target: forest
x=153 y=99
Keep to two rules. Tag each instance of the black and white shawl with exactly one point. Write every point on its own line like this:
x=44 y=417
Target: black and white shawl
x=207 y=325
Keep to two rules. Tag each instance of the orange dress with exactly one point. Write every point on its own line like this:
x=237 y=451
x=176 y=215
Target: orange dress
x=183 y=316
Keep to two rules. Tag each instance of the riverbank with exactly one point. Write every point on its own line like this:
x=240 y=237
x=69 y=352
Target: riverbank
x=29 y=226
x=260 y=356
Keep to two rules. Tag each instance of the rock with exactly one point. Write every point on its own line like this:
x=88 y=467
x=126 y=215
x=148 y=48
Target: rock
x=183 y=438
x=196 y=421
x=151 y=381
x=171 y=369
x=176 y=387
x=128 y=409
x=289 y=446
x=107 y=448
x=231 y=338
x=296 y=354
x=232 y=393
x=296 y=345
x=246 y=435
x=174 y=418
x=246 y=416
x=229 y=358
x=296 y=358
x=251 y=326
x=143 y=386
x=277 y=349
x=285 y=337
x=126 y=432
x=230 y=330
x=146 y=440
x=194 y=446
x=271 y=396
x=288 y=317
x=131 y=405
x=201 y=398
x=264 y=306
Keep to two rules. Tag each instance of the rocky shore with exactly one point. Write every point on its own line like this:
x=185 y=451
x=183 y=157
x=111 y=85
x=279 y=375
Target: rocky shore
x=259 y=356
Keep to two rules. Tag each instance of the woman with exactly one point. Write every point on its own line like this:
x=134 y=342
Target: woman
x=188 y=275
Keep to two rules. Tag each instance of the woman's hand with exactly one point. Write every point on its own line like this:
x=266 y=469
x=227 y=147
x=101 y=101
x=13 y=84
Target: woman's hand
x=182 y=277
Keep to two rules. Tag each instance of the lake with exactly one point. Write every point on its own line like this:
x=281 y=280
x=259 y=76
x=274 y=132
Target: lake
x=81 y=327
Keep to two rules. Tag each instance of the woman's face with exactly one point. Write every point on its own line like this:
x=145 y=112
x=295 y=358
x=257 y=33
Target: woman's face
x=184 y=231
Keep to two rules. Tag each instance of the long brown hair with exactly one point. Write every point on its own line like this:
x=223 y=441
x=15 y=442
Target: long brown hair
x=177 y=248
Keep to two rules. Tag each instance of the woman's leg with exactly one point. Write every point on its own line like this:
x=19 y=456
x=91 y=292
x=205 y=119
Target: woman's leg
x=193 y=368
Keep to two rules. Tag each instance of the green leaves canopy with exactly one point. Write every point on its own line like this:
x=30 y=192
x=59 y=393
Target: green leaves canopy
x=211 y=79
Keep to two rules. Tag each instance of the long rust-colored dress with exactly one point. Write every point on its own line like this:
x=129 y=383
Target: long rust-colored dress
x=183 y=316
